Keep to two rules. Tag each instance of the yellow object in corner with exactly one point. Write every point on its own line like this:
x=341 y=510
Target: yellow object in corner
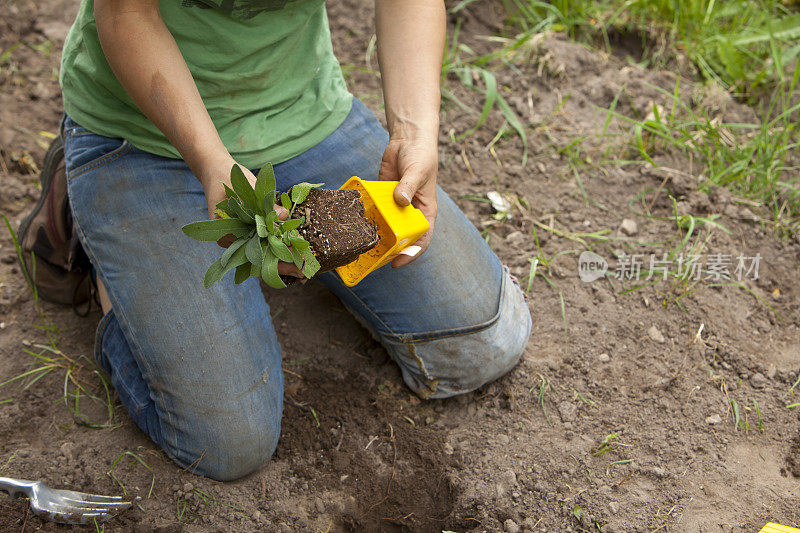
x=398 y=227
x=777 y=528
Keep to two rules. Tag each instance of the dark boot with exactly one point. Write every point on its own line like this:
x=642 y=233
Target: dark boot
x=52 y=256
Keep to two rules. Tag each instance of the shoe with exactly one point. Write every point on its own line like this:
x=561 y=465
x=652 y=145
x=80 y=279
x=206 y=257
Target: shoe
x=61 y=269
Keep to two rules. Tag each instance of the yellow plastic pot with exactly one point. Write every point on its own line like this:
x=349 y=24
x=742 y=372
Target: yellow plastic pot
x=398 y=227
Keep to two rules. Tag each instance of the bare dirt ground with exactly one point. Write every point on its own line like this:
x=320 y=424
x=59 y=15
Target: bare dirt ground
x=620 y=416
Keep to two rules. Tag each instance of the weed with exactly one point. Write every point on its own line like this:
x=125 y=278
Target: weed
x=743 y=45
x=467 y=70
x=758 y=416
x=134 y=459
x=752 y=159
x=609 y=443
x=544 y=386
x=50 y=358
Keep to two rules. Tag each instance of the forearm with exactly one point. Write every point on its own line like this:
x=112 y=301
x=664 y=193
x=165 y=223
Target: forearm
x=411 y=38
x=147 y=62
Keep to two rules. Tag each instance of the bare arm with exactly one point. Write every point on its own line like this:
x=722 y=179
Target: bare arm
x=145 y=59
x=411 y=38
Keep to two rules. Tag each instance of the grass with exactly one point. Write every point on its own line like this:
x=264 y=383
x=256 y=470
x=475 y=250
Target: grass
x=757 y=161
x=134 y=460
x=81 y=378
x=744 y=45
x=747 y=47
x=461 y=63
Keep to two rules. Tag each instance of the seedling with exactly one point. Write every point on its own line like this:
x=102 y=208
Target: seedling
x=262 y=239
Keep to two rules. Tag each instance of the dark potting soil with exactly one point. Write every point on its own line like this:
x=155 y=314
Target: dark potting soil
x=336 y=227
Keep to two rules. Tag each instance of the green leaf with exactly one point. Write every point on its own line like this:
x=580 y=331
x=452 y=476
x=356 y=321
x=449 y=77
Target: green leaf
x=213 y=230
x=269 y=202
x=269 y=270
x=253 y=251
x=230 y=193
x=213 y=274
x=298 y=259
x=242 y=273
x=223 y=206
x=311 y=265
x=265 y=183
x=243 y=188
x=216 y=271
x=261 y=226
x=226 y=255
x=286 y=202
x=239 y=211
x=299 y=243
x=271 y=219
x=301 y=190
x=293 y=223
x=279 y=249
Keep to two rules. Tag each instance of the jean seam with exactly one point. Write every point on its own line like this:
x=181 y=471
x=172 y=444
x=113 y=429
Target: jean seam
x=115 y=154
x=121 y=318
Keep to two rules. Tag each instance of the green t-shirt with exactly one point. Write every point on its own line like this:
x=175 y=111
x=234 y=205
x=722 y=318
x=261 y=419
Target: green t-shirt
x=264 y=68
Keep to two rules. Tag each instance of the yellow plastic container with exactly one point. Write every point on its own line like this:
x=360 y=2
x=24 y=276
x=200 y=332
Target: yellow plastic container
x=777 y=528
x=398 y=227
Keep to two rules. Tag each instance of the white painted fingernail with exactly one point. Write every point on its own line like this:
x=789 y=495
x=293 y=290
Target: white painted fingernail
x=411 y=251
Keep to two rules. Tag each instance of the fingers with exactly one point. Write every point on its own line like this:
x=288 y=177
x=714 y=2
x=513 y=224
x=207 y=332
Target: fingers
x=283 y=214
x=411 y=182
x=423 y=243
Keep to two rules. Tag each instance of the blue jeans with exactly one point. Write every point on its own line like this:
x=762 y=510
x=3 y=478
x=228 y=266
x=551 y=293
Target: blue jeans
x=199 y=370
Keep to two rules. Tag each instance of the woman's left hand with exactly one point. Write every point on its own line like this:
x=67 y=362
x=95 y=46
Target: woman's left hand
x=413 y=159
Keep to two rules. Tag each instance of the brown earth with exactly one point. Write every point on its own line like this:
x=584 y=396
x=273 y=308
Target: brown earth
x=358 y=451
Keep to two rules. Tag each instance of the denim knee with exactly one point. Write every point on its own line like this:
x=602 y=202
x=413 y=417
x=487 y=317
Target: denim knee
x=242 y=448
x=447 y=365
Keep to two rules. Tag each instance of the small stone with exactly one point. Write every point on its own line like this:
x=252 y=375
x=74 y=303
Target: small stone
x=319 y=505
x=256 y=516
x=448 y=448
x=772 y=371
x=511 y=527
x=508 y=479
x=629 y=227
x=713 y=420
x=603 y=358
x=746 y=214
x=188 y=487
x=660 y=472
x=567 y=411
x=26 y=342
x=503 y=440
x=758 y=380
x=613 y=507
x=656 y=335
x=516 y=238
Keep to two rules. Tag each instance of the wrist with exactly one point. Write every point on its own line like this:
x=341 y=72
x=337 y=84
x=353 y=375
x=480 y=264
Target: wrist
x=213 y=168
x=402 y=127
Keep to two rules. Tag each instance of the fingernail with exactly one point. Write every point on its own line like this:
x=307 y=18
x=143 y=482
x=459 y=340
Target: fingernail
x=411 y=251
x=404 y=194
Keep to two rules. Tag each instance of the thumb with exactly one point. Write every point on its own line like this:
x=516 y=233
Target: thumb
x=409 y=184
